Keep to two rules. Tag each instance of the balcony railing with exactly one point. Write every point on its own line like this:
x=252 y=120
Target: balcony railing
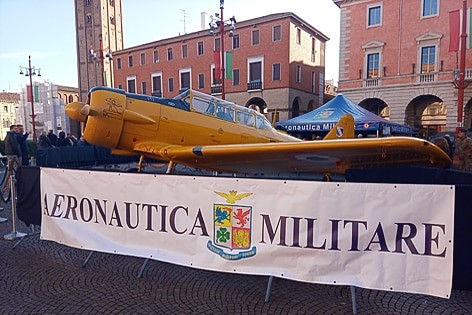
x=427 y=77
x=467 y=76
x=255 y=85
x=372 y=82
x=216 y=89
x=157 y=93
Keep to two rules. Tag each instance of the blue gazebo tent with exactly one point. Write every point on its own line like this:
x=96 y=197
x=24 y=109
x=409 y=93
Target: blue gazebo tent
x=323 y=119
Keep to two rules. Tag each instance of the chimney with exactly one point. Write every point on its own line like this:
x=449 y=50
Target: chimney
x=204 y=21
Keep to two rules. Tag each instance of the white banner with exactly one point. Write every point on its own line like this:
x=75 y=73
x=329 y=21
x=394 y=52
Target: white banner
x=377 y=236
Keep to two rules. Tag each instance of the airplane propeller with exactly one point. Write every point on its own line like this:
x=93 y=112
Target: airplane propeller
x=78 y=111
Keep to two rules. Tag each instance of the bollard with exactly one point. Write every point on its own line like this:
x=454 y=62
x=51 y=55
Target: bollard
x=14 y=234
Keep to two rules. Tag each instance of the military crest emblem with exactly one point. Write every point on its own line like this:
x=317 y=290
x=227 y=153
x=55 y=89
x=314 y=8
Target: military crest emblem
x=232 y=225
x=324 y=114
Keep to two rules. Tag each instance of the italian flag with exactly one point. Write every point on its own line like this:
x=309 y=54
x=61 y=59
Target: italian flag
x=455 y=23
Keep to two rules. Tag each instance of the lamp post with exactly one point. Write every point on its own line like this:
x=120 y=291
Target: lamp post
x=218 y=21
x=30 y=72
x=99 y=56
x=459 y=75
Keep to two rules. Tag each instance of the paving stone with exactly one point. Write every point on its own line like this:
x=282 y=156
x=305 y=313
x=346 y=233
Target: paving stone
x=43 y=277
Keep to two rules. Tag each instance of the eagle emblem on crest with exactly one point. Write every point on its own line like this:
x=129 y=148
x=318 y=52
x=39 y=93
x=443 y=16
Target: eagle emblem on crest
x=232 y=196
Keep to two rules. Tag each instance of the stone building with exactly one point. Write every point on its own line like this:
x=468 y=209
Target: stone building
x=49 y=107
x=395 y=60
x=9 y=103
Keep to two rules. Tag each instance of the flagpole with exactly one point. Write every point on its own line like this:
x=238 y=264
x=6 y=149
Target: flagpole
x=462 y=84
x=222 y=36
x=216 y=23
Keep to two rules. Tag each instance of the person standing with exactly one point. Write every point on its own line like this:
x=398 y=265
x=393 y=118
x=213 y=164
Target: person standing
x=12 y=149
x=44 y=142
x=62 y=141
x=452 y=146
x=442 y=144
x=52 y=137
x=21 y=136
x=464 y=144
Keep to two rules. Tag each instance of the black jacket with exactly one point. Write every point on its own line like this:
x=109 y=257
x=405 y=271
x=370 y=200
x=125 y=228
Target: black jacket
x=11 y=144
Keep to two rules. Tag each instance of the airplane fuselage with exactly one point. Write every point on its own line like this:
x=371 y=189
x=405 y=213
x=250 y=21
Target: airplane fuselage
x=121 y=120
x=201 y=131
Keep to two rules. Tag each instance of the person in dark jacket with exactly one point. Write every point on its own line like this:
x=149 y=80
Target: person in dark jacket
x=12 y=149
x=44 y=142
x=52 y=137
x=62 y=141
x=452 y=147
x=21 y=136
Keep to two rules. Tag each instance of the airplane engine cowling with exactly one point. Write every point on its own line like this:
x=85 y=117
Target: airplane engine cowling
x=105 y=118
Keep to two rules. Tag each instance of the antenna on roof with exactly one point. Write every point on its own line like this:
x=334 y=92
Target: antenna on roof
x=184 y=20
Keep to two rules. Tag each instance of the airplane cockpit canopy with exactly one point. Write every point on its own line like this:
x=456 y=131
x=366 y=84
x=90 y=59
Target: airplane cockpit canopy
x=222 y=109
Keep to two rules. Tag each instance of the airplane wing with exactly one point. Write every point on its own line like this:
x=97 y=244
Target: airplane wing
x=180 y=131
x=326 y=156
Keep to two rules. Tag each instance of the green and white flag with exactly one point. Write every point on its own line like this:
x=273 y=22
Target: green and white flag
x=229 y=65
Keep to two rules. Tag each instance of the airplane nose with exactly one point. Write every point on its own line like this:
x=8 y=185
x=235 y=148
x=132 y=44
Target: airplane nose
x=77 y=111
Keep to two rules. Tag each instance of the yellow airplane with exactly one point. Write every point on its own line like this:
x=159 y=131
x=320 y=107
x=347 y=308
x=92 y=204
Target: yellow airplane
x=204 y=132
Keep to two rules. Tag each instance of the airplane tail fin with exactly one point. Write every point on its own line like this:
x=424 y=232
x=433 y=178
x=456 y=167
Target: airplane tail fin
x=344 y=129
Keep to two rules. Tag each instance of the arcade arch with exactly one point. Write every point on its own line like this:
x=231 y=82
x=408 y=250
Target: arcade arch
x=468 y=115
x=257 y=104
x=376 y=106
x=427 y=113
x=295 y=107
x=311 y=106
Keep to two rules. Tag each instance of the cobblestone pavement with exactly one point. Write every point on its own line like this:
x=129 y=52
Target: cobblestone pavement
x=43 y=277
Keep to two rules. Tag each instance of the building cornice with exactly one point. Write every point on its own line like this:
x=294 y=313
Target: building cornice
x=340 y=3
x=240 y=24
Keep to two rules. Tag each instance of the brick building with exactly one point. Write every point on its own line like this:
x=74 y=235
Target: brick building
x=98 y=33
x=278 y=65
x=395 y=61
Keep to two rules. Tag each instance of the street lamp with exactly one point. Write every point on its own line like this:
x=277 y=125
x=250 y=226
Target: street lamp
x=216 y=22
x=30 y=72
x=99 y=56
x=459 y=81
